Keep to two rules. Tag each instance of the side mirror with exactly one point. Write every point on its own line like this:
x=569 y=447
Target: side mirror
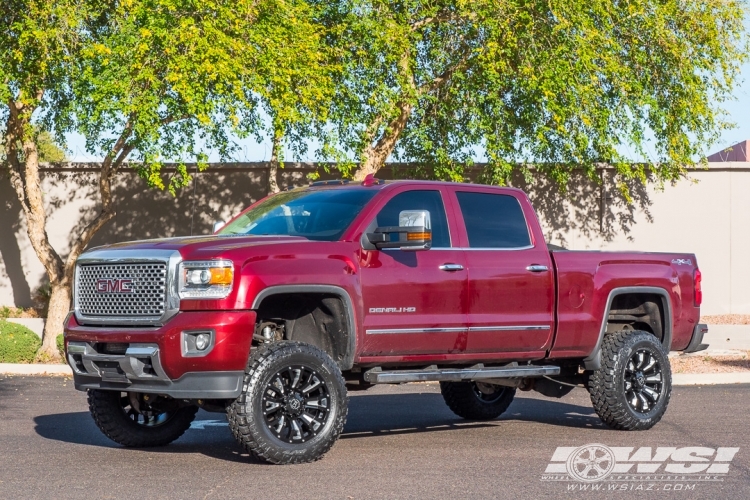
x=414 y=232
x=218 y=225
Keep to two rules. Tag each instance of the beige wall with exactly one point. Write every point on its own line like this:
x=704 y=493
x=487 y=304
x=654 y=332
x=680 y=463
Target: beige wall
x=707 y=215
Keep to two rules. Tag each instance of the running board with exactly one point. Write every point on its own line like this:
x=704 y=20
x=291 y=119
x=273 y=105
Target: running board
x=478 y=372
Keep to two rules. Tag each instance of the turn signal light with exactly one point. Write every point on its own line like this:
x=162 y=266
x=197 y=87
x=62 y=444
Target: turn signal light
x=418 y=236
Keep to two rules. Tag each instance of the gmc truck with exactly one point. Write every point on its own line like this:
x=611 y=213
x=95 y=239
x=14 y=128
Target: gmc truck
x=338 y=286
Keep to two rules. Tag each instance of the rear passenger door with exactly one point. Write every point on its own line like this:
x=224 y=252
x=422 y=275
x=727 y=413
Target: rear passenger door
x=511 y=282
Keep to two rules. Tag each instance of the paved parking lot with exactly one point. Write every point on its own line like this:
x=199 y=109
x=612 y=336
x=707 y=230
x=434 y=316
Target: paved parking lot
x=400 y=442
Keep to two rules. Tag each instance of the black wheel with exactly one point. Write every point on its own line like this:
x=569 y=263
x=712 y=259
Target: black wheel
x=293 y=404
x=631 y=390
x=476 y=400
x=139 y=420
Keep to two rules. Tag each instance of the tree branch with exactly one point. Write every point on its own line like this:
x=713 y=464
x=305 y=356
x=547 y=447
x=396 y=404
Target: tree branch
x=440 y=17
x=439 y=80
x=112 y=162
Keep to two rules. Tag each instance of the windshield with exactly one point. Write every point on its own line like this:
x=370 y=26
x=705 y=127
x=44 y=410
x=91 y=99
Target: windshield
x=317 y=215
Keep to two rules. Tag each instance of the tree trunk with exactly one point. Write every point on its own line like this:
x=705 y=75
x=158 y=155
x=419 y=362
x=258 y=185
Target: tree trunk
x=273 y=169
x=59 y=306
x=374 y=157
x=26 y=181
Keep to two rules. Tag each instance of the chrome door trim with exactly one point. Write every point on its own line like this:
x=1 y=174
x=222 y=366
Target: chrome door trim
x=417 y=330
x=457 y=329
x=507 y=328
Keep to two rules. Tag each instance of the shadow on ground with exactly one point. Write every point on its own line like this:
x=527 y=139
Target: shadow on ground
x=369 y=416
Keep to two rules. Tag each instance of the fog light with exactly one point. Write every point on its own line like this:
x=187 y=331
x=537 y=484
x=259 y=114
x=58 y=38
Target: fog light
x=202 y=340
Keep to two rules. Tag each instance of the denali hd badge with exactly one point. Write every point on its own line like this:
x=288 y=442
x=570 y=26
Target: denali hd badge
x=114 y=286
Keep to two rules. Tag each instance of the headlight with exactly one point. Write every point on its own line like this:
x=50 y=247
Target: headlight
x=205 y=279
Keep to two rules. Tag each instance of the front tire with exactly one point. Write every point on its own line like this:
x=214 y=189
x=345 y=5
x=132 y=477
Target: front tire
x=293 y=405
x=476 y=400
x=128 y=419
x=632 y=388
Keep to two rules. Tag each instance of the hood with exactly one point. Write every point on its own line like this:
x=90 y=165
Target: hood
x=198 y=247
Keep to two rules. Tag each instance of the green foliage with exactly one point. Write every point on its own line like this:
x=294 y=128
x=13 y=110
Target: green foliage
x=48 y=149
x=564 y=84
x=18 y=344
x=176 y=78
x=295 y=84
x=60 y=341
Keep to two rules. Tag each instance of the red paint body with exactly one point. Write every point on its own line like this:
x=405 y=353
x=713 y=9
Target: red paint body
x=494 y=289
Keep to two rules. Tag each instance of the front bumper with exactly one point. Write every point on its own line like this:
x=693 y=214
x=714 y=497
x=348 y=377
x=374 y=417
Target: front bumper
x=153 y=359
x=696 y=341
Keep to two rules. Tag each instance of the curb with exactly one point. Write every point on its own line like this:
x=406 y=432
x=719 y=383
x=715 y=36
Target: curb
x=35 y=369
x=710 y=378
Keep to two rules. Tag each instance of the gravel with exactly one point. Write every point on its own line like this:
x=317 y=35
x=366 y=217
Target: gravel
x=726 y=319
x=711 y=363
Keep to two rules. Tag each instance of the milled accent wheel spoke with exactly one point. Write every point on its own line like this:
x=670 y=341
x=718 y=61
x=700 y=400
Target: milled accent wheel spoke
x=651 y=363
x=280 y=425
x=644 y=403
x=272 y=407
x=652 y=394
x=310 y=421
x=297 y=436
x=295 y=377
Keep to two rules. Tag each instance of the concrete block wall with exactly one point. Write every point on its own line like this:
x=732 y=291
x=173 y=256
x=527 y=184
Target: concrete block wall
x=708 y=214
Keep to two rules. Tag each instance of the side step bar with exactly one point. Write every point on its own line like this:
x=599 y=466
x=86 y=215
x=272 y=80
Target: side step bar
x=478 y=372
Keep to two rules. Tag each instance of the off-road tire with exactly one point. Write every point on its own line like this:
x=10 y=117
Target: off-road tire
x=246 y=416
x=463 y=400
x=107 y=410
x=607 y=385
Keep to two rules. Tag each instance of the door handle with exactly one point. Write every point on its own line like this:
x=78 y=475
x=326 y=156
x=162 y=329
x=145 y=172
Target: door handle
x=537 y=268
x=451 y=267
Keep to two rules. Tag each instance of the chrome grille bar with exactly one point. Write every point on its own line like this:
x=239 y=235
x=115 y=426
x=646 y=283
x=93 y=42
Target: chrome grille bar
x=144 y=295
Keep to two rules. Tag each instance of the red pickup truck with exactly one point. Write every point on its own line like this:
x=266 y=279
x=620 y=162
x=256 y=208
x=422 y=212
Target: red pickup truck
x=338 y=286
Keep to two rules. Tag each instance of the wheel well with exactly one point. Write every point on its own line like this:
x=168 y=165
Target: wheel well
x=637 y=311
x=320 y=319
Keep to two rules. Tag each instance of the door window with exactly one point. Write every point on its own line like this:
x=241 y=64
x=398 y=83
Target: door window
x=493 y=220
x=418 y=200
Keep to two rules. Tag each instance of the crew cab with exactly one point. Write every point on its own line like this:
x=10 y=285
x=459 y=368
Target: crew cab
x=338 y=286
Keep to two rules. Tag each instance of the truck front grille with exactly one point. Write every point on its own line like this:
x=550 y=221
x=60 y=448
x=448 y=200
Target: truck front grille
x=122 y=290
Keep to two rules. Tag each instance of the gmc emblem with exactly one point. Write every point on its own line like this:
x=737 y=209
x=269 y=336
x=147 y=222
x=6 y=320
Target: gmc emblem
x=114 y=286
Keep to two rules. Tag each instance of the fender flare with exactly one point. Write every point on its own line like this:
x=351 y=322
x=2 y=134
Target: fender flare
x=594 y=360
x=347 y=361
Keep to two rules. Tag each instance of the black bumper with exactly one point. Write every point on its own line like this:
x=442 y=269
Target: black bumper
x=193 y=385
x=139 y=369
x=696 y=342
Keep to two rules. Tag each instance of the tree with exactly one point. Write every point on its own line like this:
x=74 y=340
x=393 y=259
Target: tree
x=295 y=94
x=564 y=84
x=147 y=80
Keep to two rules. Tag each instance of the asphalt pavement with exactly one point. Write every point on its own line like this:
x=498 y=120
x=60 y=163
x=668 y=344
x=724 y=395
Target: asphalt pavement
x=399 y=442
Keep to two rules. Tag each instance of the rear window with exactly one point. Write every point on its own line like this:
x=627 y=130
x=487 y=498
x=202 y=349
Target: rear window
x=493 y=220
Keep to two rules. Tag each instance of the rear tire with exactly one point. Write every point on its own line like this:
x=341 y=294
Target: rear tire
x=475 y=400
x=293 y=404
x=632 y=388
x=118 y=419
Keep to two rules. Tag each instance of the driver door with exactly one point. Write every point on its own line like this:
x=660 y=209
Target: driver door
x=415 y=300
